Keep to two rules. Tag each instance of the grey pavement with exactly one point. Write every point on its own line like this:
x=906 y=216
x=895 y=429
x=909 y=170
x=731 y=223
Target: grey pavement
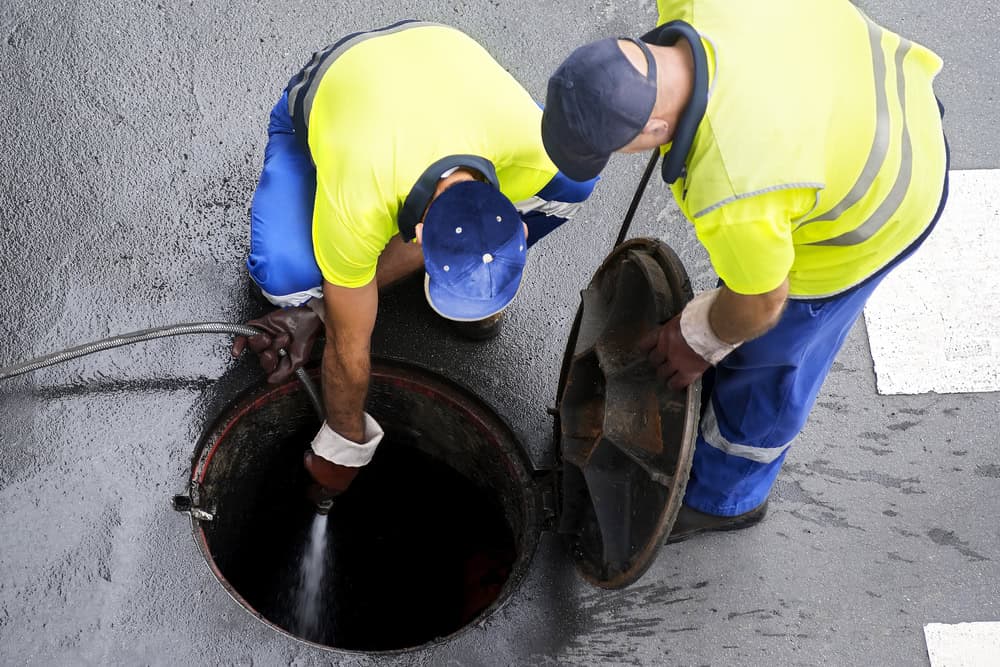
x=131 y=144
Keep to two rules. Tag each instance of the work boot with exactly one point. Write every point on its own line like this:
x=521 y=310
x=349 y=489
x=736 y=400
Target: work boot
x=479 y=330
x=691 y=522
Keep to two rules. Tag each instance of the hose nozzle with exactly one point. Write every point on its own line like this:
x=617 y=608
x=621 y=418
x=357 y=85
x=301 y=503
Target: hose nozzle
x=324 y=506
x=321 y=498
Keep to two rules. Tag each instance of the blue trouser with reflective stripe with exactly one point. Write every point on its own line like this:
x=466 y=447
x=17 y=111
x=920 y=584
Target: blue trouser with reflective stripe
x=758 y=398
x=281 y=259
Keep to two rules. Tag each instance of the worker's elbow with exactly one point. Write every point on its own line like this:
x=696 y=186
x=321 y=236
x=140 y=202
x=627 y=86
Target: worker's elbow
x=778 y=296
x=773 y=303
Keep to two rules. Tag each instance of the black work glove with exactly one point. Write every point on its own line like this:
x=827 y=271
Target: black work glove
x=293 y=330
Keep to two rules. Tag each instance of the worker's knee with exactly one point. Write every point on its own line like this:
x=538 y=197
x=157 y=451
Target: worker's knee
x=285 y=278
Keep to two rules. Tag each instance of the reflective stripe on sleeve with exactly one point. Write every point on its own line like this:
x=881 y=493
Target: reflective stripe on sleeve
x=774 y=188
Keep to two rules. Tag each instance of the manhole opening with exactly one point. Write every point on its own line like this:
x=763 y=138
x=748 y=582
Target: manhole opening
x=435 y=533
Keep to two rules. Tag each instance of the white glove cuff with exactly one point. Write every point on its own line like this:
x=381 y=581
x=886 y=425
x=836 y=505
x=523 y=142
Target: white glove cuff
x=335 y=448
x=697 y=329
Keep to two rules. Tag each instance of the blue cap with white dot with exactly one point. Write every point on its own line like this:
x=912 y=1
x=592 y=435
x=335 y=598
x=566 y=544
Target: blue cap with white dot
x=474 y=251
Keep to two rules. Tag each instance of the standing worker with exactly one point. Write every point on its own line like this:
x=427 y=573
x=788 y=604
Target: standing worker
x=393 y=150
x=804 y=143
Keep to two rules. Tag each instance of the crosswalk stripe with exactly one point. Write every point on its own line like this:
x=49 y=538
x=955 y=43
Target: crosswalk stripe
x=932 y=323
x=963 y=644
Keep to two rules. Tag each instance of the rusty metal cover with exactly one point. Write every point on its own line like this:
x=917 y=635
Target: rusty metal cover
x=626 y=439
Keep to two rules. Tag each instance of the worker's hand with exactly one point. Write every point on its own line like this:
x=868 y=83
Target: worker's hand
x=293 y=330
x=334 y=461
x=671 y=356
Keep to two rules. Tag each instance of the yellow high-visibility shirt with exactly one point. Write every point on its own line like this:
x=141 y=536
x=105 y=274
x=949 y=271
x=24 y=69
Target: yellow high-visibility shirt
x=821 y=155
x=391 y=103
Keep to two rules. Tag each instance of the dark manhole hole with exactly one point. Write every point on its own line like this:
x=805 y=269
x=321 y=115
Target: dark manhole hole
x=435 y=533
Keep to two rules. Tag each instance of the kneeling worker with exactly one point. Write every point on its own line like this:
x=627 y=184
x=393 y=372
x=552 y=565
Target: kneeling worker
x=804 y=143
x=392 y=151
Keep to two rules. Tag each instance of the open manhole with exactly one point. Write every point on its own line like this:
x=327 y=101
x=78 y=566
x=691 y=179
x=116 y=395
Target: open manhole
x=439 y=529
x=435 y=532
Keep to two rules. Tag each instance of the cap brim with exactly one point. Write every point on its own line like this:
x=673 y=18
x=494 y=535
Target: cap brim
x=451 y=306
x=578 y=166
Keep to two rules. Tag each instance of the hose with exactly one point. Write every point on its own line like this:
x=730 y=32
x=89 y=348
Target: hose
x=152 y=334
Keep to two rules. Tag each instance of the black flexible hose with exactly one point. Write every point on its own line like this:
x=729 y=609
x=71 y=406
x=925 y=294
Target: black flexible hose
x=152 y=334
x=627 y=222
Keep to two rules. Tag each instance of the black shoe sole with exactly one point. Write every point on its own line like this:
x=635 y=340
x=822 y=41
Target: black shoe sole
x=720 y=524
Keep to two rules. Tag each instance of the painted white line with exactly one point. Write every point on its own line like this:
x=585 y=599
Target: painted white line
x=934 y=322
x=963 y=644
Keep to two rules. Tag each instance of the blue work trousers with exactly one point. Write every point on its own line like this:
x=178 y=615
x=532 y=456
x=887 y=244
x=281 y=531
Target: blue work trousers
x=281 y=259
x=758 y=398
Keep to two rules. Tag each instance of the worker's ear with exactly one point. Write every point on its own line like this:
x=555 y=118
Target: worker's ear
x=419 y=231
x=655 y=132
x=658 y=130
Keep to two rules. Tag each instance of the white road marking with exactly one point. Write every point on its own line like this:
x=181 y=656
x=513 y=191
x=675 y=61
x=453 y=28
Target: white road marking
x=963 y=644
x=934 y=322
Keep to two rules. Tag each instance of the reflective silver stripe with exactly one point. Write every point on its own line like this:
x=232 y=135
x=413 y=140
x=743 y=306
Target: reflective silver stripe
x=891 y=203
x=845 y=288
x=718 y=64
x=323 y=59
x=880 y=143
x=561 y=209
x=773 y=188
x=710 y=433
x=294 y=91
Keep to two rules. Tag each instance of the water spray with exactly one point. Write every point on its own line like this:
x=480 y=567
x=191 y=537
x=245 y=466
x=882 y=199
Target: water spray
x=314 y=563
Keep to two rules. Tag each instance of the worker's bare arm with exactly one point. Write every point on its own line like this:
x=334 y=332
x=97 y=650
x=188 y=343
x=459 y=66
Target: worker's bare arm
x=350 y=319
x=735 y=318
x=398 y=260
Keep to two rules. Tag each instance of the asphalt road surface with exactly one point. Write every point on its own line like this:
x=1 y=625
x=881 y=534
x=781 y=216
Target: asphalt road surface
x=132 y=138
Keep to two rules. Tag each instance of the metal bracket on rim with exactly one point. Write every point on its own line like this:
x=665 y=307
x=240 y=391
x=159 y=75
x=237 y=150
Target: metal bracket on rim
x=189 y=503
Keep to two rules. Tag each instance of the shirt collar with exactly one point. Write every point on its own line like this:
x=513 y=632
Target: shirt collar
x=690 y=118
x=423 y=190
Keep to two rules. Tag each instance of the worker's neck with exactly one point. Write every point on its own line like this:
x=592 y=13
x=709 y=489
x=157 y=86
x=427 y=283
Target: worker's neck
x=674 y=77
x=457 y=176
x=674 y=80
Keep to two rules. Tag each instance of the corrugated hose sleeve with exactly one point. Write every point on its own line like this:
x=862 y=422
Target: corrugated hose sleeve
x=151 y=334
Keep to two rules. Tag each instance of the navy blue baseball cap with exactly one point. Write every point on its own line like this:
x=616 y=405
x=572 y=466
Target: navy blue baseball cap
x=596 y=102
x=474 y=251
